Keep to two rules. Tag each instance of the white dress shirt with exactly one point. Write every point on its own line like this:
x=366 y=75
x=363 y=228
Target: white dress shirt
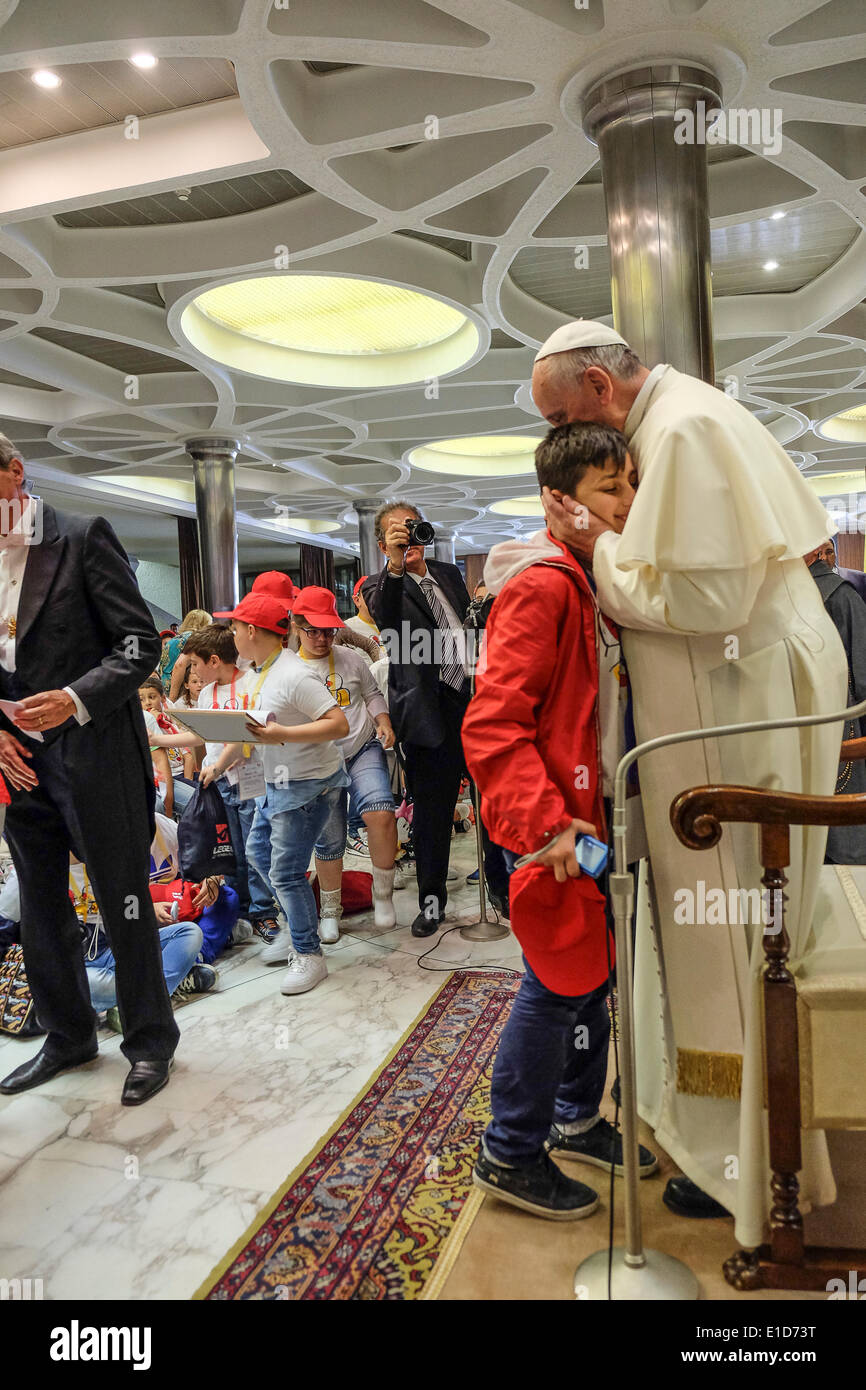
x=15 y=548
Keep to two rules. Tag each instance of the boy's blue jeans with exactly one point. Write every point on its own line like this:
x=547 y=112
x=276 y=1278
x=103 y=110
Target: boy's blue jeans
x=180 y=944
x=255 y=900
x=280 y=845
x=550 y=1067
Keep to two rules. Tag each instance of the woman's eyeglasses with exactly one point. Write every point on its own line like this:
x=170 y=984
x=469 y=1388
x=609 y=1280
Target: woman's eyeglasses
x=317 y=631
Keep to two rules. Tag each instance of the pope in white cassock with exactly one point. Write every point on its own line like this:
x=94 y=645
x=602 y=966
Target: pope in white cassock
x=722 y=623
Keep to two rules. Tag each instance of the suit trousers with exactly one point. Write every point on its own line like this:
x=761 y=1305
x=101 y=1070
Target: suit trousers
x=434 y=776
x=92 y=799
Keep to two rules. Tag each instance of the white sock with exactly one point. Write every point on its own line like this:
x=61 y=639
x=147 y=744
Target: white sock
x=331 y=903
x=572 y=1127
x=383 y=882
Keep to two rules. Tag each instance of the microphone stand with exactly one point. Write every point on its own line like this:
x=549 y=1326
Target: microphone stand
x=636 y=1272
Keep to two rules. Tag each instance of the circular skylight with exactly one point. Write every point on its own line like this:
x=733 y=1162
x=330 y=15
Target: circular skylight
x=330 y=330
x=849 y=427
x=478 y=456
x=518 y=506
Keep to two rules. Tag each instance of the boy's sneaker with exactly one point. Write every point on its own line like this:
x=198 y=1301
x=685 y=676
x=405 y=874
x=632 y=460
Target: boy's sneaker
x=473 y=877
x=199 y=980
x=399 y=878
x=596 y=1146
x=267 y=928
x=112 y=1020
x=542 y=1189
x=279 y=950
x=356 y=846
x=305 y=972
x=241 y=931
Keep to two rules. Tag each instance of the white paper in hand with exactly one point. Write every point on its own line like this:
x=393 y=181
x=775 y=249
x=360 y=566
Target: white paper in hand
x=12 y=707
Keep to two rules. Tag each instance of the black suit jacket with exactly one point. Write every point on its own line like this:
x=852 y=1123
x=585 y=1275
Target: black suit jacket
x=855 y=577
x=414 y=696
x=82 y=623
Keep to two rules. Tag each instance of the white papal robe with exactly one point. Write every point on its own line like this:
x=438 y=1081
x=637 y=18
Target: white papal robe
x=722 y=623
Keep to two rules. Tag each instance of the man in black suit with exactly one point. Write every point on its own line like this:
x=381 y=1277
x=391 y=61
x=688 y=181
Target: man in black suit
x=76 y=641
x=419 y=606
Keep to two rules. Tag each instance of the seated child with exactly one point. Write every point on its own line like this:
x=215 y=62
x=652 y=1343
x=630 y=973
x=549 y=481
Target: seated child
x=174 y=766
x=534 y=736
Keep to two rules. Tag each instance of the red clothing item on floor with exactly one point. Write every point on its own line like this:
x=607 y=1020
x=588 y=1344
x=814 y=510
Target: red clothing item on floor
x=531 y=740
x=5 y=798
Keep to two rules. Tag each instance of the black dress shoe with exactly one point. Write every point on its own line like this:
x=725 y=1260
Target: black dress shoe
x=426 y=925
x=41 y=1068
x=685 y=1198
x=143 y=1081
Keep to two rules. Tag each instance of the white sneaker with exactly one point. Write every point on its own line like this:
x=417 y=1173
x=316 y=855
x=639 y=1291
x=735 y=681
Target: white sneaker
x=452 y=875
x=399 y=878
x=242 y=931
x=383 y=912
x=279 y=950
x=305 y=972
x=329 y=930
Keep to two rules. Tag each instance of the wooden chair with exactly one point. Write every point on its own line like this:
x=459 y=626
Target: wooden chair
x=794 y=1017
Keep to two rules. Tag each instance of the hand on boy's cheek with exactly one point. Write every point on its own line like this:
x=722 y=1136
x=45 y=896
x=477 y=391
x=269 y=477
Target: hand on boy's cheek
x=572 y=523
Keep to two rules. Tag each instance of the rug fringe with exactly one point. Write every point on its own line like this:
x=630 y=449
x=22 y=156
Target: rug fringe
x=452 y=1247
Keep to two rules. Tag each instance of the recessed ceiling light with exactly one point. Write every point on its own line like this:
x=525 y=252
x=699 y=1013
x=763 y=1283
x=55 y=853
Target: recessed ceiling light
x=519 y=506
x=849 y=427
x=144 y=60
x=45 y=78
x=776 y=216
x=330 y=330
x=771 y=265
x=478 y=455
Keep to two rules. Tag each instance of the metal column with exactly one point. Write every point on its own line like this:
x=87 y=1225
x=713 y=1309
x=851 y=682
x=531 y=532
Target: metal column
x=658 y=224
x=372 y=558
x=443 y=547
x=213 y=463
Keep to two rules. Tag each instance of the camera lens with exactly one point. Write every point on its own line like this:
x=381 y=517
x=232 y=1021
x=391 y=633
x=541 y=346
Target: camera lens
x=421 y=533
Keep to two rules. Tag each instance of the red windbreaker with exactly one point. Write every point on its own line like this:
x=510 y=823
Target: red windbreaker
x=531 y=741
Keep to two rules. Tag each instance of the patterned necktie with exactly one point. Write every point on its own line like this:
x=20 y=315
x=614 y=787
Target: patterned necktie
x=452 y=670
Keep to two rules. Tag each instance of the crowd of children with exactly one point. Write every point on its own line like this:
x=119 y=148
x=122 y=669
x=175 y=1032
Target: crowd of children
x=287 y=654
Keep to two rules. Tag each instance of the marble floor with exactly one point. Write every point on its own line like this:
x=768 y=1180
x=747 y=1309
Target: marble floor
x=103 y=1202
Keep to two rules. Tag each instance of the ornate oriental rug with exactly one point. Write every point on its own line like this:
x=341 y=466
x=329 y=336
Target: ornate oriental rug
x=380 y=1209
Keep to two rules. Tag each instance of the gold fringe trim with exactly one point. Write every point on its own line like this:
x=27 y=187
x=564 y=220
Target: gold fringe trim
x=452 y=1247
x=717 y=1074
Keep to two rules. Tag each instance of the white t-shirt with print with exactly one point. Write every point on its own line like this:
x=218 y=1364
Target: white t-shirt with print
x=293 y=696
x=355 y=691
x=227 y=697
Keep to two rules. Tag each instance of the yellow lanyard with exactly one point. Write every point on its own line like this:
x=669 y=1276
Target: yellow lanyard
x=249 y=697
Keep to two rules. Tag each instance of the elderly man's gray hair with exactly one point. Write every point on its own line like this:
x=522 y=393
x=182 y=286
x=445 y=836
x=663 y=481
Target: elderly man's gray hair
x=620 y=361
x=8 y=452
x=391 y=505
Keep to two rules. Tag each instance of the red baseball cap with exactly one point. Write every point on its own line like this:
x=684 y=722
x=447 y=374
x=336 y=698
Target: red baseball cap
x=262 y=610
x=357 y=588
x=167 y=632
x=318 y=606
x=277 y=584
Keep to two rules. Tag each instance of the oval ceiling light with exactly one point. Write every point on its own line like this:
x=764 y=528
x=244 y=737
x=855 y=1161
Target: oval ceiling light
x=144 y=60
x=478 y=456
x=45 y=78
x=314 y=525
x=330 y=330
x=518 y=506
x=849 y=427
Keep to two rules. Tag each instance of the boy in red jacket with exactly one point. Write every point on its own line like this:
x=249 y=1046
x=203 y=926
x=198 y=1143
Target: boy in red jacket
x=548 y=714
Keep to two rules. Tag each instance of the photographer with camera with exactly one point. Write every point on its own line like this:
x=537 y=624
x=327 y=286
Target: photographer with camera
x=418 y=606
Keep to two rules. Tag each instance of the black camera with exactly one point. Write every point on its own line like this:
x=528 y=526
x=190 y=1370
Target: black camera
x=420 y=532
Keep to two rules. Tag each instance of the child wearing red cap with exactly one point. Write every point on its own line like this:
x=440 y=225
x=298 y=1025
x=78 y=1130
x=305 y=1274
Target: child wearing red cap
x=316 y=623
x=303 y=774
